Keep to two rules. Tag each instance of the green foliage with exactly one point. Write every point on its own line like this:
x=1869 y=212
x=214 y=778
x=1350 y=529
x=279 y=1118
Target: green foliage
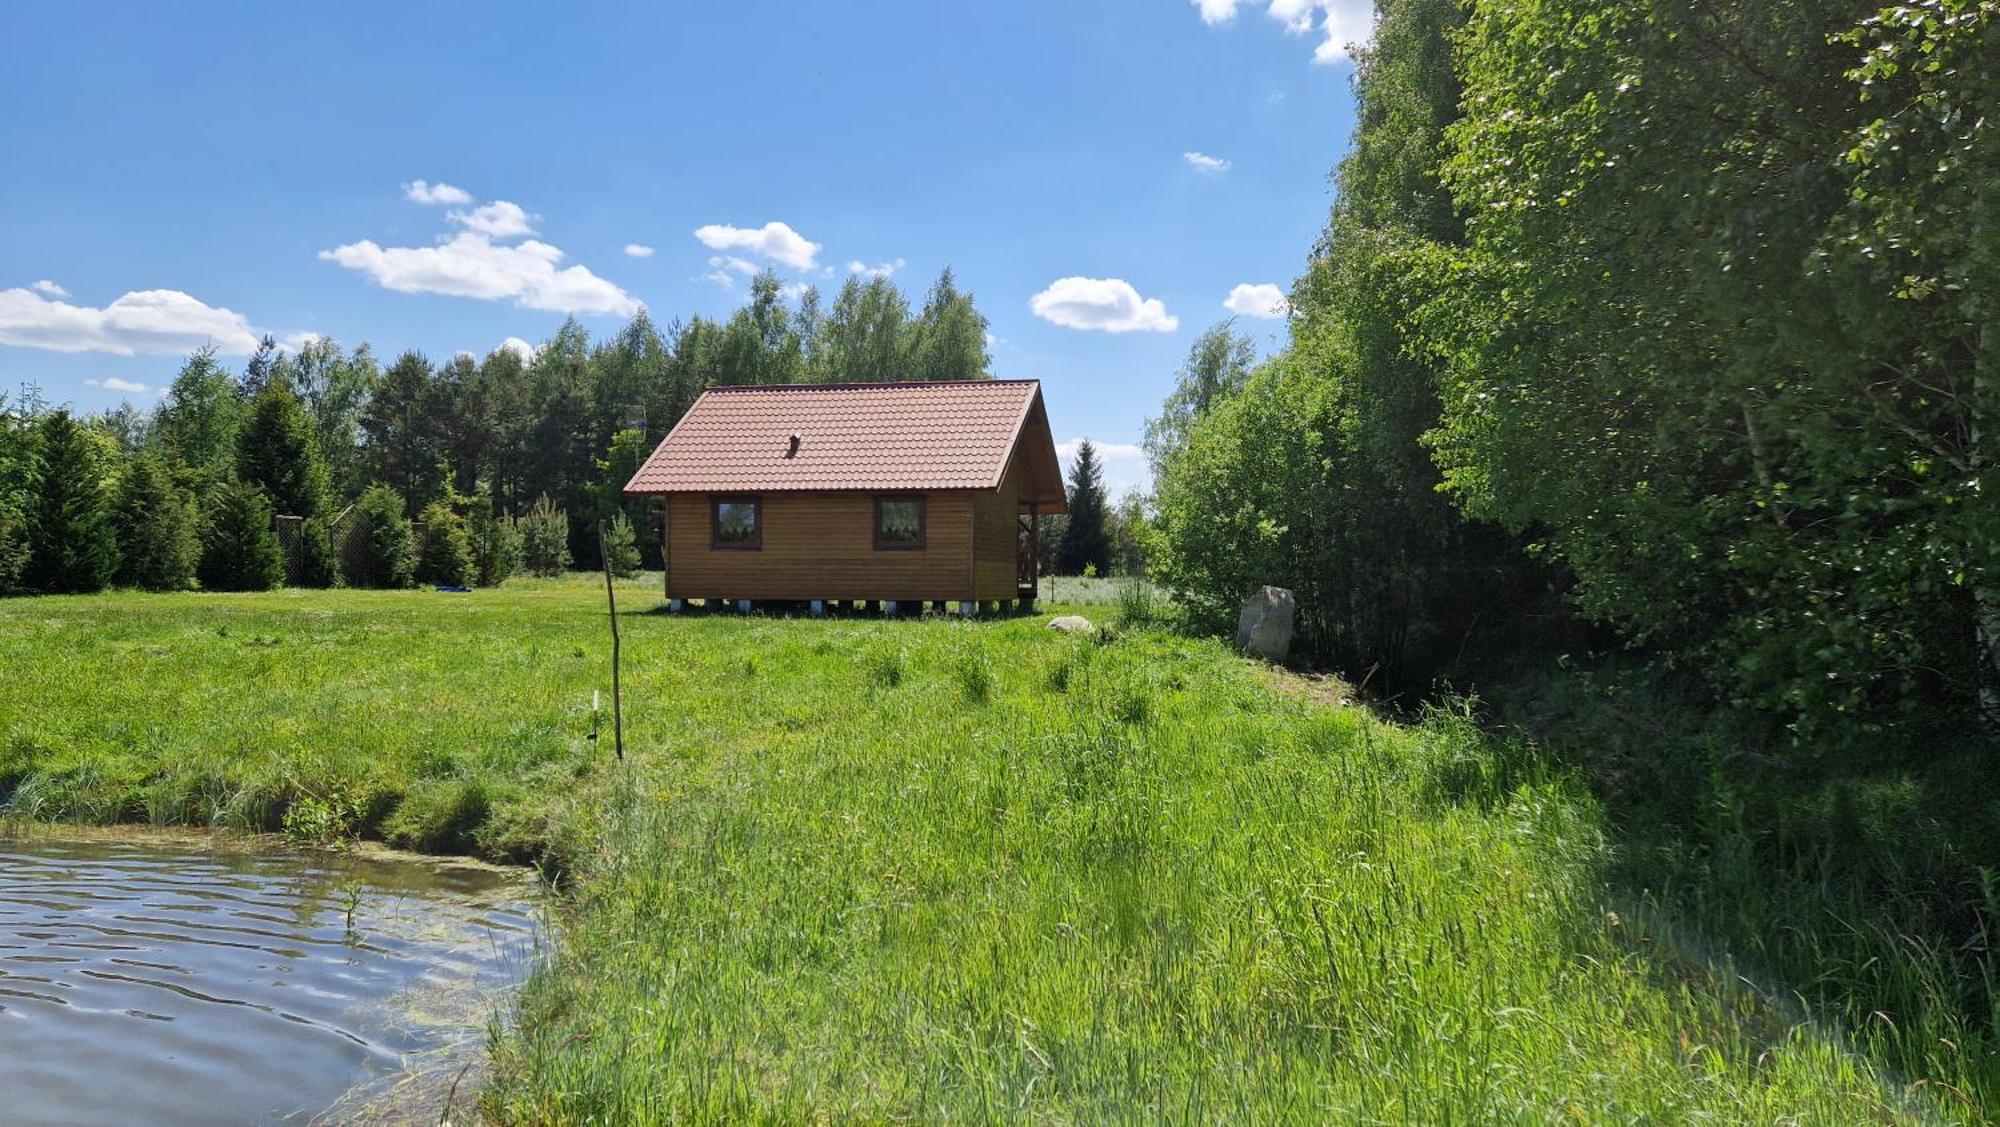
x=388 y=555
x=400 y=427
x=1718 y=339
x=73 y=544
x=159 y=537
x=16 y=547
x=239 y=550
x=278 y=451
x=446 y=556
x=1086 y=538
x=947 y=341
x=621 y=547
x=196 y=424
x=496 y=541
x=545 y=538
x=1218 y=366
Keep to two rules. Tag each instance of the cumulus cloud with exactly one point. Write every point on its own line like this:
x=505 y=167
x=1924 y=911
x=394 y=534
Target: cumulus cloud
x=1259 y=300
x=497 y=220
x=1338 y=23
x=471 y=264
x=113 y=383
x=638 y=250
x=775 y=241
x=879 y=270
x=419 y=191
x=520 y=348
x=49 y=288
x=1202 y=162
x=162 y=322
x=1109 y=304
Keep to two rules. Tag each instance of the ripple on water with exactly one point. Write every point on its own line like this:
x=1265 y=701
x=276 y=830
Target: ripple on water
x=174 y=982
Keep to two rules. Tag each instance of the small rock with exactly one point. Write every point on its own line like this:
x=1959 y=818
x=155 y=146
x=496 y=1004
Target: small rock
x=1072 y=624
x=1265 y=626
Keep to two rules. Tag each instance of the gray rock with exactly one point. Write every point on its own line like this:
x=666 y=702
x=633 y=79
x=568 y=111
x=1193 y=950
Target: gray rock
x=1265 y=626
x=1073 y=624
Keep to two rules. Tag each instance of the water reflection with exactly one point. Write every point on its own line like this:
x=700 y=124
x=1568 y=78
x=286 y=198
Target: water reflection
x=190 y=981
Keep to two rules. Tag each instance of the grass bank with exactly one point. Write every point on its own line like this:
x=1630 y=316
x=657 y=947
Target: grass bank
x=868 y=869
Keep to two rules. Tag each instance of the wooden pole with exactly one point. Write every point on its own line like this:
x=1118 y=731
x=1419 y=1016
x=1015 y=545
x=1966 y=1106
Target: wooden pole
x=611 y=600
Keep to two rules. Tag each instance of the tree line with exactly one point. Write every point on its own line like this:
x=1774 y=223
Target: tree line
x=505 y=461
x=1668 y=324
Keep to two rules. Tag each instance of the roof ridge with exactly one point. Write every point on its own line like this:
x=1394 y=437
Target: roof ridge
x=859 y=386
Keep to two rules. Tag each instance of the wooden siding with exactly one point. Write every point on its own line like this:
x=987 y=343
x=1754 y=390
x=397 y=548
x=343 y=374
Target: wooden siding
x=822 y=546
x=996 y=531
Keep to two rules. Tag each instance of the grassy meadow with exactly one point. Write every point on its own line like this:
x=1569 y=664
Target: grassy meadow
x=867 y=869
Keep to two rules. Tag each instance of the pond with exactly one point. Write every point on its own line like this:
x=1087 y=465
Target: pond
x=198 y=980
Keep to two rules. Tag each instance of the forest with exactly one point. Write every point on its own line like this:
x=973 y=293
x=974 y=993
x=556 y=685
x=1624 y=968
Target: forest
x=1641 y=383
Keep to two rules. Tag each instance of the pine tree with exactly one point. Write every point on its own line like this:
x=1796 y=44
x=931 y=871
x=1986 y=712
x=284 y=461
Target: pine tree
x=278 y=451
x=73 y=545
x=1087 y=540
x=621 y=547
x=390 y=554
x=239 y=550
x=446 y=557
x=545 y=538
x=197 y=423
x=158 y=535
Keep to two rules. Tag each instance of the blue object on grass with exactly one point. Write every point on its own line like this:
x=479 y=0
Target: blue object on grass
x=454 y=590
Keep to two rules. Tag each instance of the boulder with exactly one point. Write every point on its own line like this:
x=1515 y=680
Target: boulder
x=1073 y=624
x=1265 y=626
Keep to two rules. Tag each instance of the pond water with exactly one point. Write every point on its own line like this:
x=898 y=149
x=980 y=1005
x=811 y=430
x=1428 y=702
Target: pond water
x=216 y=981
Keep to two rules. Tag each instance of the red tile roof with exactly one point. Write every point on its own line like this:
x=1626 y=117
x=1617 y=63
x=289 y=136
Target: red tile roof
x=945 y=435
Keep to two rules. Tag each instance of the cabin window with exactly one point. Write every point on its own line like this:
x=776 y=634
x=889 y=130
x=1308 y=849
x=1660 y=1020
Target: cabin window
x=737 y=522
x=899 y=523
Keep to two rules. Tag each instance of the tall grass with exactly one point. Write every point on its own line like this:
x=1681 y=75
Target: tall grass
x=868 y=869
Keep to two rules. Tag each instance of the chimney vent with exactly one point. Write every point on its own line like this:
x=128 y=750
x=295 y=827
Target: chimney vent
x=794 y=451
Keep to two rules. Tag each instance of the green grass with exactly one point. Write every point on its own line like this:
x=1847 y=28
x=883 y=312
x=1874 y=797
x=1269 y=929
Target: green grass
x=865 y=869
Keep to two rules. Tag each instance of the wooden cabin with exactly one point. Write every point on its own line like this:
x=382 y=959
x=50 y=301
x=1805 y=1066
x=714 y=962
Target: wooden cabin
x=902 y=493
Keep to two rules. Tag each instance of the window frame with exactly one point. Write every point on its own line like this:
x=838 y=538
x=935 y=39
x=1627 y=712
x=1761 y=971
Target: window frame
x=923 y=522
x=715 y=540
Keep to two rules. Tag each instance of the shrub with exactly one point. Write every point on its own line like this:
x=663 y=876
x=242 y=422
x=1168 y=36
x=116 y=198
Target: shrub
x=159 y=542
x=14 y=547
x=446 y=558
x=316 y=545
x=621 y=547
x=388 y=550
x=496 y=543
x=73 y=546
x=239 y=551
x=545 y=538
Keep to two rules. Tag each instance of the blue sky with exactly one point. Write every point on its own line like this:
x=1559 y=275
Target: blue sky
x=181 y=173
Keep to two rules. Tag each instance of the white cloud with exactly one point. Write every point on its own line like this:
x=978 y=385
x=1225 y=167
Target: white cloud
x=879 y=270
x=113 y=383
x=1260 y=300
x=520 y=348
x=1202 y=162
x=470 y=264
x=775 y=241
x=1338 y=22
x=722 y=265
x=497 y=220
x=49 y=288
x=1110 y=304
x=164 y=322
x=794 y=291
x=638 y=250
x=418 y=191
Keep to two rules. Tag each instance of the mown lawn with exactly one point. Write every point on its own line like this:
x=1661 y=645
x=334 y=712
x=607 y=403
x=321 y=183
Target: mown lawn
x=860 y=869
